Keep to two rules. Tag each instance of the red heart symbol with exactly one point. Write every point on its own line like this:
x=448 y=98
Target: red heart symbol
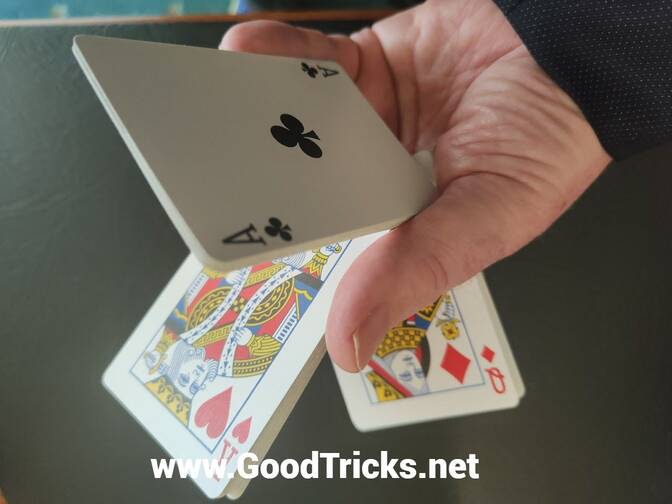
x=242 y=430
x=214 y=413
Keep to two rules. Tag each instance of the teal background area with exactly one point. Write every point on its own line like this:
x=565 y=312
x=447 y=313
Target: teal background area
x=22 y=9
x=33 y=9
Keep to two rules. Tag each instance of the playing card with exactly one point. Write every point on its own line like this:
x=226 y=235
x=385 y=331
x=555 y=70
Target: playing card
x=215 y=356
x=449 y=359
x=254 y=156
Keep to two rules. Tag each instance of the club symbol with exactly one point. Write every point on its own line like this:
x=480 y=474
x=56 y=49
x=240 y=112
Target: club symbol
x=292 y=134
x=275 y=228
x=310 y=70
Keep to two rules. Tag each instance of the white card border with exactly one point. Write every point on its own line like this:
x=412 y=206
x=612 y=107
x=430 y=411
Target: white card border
x=366 y=416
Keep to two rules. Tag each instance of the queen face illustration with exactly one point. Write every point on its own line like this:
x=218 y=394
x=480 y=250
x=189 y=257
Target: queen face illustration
x=186 y=367
x=408 y=371
x=193 y=376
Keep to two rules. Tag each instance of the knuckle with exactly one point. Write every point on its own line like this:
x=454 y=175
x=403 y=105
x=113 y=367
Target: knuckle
x=436 y=261
x=234 y=39
x=436 y=267
x=244 y=37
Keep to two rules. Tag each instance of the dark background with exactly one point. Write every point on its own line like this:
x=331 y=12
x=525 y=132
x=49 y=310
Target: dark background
x=85 y=248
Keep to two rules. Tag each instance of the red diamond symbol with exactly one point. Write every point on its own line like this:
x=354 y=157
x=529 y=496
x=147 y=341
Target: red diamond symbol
x=455 y=363
x=488 y=353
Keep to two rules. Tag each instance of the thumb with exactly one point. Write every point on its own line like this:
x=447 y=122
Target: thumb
x=477 y=220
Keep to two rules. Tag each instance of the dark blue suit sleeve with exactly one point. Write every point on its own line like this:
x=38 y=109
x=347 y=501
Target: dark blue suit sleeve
x=613 y=57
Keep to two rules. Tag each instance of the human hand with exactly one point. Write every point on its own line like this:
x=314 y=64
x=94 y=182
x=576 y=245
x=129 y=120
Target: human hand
x=512 y=152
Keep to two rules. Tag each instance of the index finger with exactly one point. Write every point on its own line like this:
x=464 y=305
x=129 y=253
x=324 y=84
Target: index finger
x=280 y=39
x=360 y=55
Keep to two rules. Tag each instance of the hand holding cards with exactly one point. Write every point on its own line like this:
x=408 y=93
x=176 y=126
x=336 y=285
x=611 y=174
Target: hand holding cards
x=217 y=364
x=257 y=157
x=254 y=157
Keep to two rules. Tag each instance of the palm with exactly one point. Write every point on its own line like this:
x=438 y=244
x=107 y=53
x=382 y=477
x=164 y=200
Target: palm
x=511 y=151
x=476 y=95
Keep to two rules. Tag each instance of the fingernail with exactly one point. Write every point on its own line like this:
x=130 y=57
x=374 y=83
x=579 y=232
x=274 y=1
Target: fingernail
x=355 y=345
